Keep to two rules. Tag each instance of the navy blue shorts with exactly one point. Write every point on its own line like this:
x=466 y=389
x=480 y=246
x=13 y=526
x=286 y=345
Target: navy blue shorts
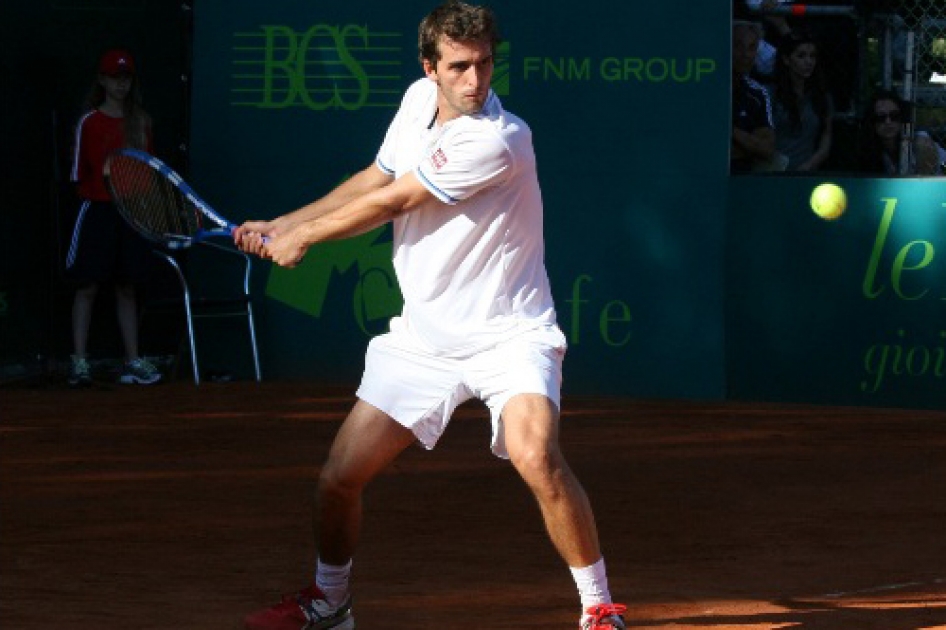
x=104 y=248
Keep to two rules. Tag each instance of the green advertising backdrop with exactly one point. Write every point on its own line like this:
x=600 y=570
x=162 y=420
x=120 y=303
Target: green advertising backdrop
x=672 y=279
x=844 y=312
x=628 y=103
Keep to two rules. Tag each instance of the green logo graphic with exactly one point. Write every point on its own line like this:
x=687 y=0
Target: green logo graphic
x=501 y=70
x=325 y=67
x=376 y=296
x=903 y=266
x=653 y=70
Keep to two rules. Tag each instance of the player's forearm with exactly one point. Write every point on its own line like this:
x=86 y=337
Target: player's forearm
x=359 y=184
x=355 y=218
x=367 y=212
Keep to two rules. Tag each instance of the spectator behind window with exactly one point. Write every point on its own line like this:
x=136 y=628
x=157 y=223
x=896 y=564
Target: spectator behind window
x=753 y=135
x=802 y=106
x=883 y=130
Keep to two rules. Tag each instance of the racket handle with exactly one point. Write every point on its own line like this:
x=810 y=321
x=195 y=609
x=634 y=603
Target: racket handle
x=233 y=227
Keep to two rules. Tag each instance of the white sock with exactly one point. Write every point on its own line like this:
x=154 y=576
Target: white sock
x=592 y=582
x=332 y=580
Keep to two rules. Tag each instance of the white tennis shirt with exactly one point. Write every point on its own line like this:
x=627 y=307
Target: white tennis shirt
x=471 y=269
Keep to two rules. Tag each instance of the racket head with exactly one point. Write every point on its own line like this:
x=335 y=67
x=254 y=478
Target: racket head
x=156 y=202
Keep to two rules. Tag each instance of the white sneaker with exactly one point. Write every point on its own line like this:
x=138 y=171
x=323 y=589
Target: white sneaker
x=80 y=372
x=140 y=371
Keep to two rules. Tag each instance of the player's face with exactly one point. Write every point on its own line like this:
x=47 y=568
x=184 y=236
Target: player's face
x=463 y=74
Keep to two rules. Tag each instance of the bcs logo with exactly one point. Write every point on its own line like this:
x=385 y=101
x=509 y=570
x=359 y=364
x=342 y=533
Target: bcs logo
x=326 y=67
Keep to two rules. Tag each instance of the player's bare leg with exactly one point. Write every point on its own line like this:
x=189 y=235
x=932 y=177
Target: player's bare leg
x=531 y=434
x=531 y=425
x=368 y=441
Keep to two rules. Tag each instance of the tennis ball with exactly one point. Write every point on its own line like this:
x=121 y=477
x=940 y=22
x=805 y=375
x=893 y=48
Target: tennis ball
x=829 y=201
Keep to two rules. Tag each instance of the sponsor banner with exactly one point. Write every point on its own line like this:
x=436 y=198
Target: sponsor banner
x=849 y=311
x=625 y=101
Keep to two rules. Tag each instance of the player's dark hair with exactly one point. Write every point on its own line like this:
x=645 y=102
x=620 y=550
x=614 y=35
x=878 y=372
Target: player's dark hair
x=460 y=22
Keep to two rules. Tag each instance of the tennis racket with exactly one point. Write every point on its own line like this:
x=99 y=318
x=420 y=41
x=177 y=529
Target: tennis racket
x=158 y=203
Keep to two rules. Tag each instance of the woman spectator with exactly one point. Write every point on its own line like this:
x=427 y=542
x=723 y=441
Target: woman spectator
x=803 y=108
x=886 y=115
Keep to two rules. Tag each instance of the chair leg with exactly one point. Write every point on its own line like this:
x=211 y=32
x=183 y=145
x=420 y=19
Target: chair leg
x=252 y=325
x=188 y=314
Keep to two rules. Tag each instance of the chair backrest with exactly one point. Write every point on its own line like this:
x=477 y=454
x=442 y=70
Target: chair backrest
x=218 y=271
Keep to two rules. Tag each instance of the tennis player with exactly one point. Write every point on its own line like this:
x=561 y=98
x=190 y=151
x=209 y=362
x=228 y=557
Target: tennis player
x=456 y=174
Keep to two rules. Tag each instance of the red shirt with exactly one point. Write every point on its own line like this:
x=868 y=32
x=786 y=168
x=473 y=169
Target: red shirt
x=97 y=135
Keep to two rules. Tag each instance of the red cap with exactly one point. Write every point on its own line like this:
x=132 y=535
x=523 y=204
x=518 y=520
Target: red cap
x=116 y=62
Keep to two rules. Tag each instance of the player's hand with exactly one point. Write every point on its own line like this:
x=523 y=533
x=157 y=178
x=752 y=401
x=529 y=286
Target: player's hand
x=249 y=237
x=286 y=250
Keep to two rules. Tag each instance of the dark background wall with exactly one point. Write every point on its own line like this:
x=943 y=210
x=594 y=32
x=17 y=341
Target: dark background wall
x=49 y=50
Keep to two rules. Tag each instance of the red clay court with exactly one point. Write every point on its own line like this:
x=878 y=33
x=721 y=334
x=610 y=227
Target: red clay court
x=175 y=507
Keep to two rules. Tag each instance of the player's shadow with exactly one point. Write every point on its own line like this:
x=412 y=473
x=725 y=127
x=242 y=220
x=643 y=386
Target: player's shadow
x=907 y=613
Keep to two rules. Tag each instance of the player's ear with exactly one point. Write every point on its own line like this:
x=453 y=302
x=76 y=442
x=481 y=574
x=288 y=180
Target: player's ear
x=430 y=69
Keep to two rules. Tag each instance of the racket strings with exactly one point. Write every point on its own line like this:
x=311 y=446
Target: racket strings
x=150 y=202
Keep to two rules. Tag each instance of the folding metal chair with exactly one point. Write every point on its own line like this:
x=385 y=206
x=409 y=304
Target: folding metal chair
x=214 y=297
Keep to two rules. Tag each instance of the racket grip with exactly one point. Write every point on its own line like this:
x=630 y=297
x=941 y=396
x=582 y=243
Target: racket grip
x=233 y=227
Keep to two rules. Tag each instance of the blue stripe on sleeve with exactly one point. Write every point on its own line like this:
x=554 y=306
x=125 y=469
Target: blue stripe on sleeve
x=429 y=185
x=383 y=167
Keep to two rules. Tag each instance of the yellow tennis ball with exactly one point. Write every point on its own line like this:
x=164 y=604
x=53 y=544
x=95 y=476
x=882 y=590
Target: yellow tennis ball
x=829 y=201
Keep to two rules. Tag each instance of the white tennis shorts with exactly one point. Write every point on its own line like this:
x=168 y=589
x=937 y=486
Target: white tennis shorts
x=421 y=391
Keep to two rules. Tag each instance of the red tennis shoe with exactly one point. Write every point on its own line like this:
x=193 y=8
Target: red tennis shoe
x=604 y=617
x=306 y=610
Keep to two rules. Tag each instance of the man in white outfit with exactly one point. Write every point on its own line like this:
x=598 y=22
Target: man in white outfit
x=456 y=175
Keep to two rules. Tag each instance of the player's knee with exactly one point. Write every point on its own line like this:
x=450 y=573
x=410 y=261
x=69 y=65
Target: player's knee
x=334 y=483
x=541 y=468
